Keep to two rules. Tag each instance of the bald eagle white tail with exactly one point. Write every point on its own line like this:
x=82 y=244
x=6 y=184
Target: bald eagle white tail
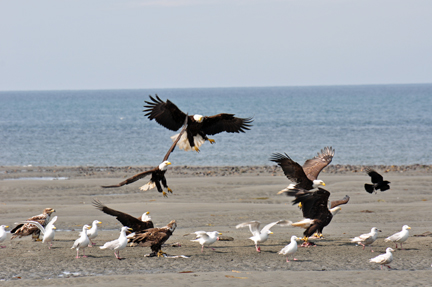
x=149 y=185
x=183 y=143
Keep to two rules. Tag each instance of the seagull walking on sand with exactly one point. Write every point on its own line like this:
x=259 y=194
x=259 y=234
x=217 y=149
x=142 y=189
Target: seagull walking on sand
x=290 y=249
x=48 y=231
x=384 y=259
x=82 y=242
x=399 y=237
x=3 y=234
x=367 y=238
x=206 y=238
x=261 y=236
x=93 y=232
x=119 y=243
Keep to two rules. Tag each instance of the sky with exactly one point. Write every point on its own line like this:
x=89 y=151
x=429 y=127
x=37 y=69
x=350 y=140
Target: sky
x=140 y=44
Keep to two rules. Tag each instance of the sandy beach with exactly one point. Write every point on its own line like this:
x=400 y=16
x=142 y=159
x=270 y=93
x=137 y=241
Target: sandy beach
x=215 y=198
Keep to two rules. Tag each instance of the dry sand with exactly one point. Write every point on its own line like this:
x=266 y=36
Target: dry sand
x=214 y=199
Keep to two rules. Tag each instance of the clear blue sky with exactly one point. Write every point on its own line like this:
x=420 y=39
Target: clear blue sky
x=105 y=44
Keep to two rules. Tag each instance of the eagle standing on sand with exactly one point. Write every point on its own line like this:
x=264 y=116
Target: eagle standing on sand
x=314 y=205
x=137 y=224
x=25 y=229
x=304 y=177
x=157 y=173
x=153 y=238
x=170 y=116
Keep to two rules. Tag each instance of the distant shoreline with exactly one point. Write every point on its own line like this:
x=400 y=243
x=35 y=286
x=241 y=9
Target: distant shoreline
x=11 y=172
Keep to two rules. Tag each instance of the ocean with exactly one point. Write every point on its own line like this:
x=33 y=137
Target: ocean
x=367 y=125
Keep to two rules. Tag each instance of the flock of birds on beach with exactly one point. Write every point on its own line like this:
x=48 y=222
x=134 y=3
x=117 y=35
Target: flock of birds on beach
x=306 y=188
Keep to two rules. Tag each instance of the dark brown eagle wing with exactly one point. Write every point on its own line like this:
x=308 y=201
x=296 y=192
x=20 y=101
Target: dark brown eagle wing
x=124 y=218
x=335 y=203
x=177 y=139
x=312 y=167
x=153 y=237
x=132 y=179
x=166 y=113
x=225 y=123
x=292 y=170
x=314 y=204
x=375 y=176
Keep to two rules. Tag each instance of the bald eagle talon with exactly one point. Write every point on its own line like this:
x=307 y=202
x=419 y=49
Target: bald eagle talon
x=169 y=190
x=196 y=149
x=212 y=141
x=164 y=194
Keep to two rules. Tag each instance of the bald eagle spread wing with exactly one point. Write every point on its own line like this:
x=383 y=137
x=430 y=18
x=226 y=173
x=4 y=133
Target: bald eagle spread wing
x=170 y=116
x=304 y=177
x=125 y=219
x=157 y=173
x=154 y=238
x=25 y=229
x=378 y=182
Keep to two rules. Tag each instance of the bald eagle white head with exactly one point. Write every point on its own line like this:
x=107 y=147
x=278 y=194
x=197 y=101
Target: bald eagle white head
x=164 y=165
x=317 y=183
x=198 y=118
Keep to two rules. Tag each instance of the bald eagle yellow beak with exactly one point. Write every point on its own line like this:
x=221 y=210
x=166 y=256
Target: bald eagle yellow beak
x=168 y=163
x=148 y=212
x=323 y=183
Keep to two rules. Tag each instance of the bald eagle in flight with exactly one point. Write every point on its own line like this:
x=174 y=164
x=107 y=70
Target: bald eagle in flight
x=25 y=229
x=154 y=238
x=137 y=224
x=378 y=182
x=157 y=173
x=304 y=177
x=315 y=208
x=170 y=116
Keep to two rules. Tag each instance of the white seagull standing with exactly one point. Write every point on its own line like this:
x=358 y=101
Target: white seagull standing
x=82 y=241
x=93 y=232
x=290 y=249
x=119 y=243
x=367 y=238
x=204 y=238
x=48 y=231
x=3 y=234
x=384 y=259
x=259 y=237
x=399 y=237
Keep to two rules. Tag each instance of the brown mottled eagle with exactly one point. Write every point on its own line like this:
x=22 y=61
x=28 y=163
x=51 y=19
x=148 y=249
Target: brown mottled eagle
x=314 y=205
x=157 y=173
x=304 y=177
x=137 y=224
x=170 y=116
x=25 y=229
x=378 y=182
x=154 y=238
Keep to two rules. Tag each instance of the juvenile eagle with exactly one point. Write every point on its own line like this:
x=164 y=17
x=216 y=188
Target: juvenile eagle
x=304 y=177
x=137 y=224
x=25 y=229
x=154 y=238
x=157 y=173
x=170 y=116
x=378 y=182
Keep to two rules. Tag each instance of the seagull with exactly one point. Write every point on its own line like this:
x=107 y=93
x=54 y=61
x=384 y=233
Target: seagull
x=48 y=231
x=93 y=232
x=290 y=249
x=118 y=244
x=259 y=237
x=83 y=241
x=367 y=238
x=208 y=238
x=3 y=234
x=399 y=237
x=384 y=259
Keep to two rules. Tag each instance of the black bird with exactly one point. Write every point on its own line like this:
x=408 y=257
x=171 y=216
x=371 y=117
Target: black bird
x=378 y=182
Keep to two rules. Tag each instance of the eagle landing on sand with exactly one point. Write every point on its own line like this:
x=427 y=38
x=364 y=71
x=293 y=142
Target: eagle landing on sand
x=157 y=173
x=304 y=177
x=170 y=116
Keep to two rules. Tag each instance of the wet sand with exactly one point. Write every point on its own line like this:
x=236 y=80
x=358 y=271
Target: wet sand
x=215 y=199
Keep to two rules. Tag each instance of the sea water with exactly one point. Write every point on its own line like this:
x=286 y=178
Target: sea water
x=371 y=124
